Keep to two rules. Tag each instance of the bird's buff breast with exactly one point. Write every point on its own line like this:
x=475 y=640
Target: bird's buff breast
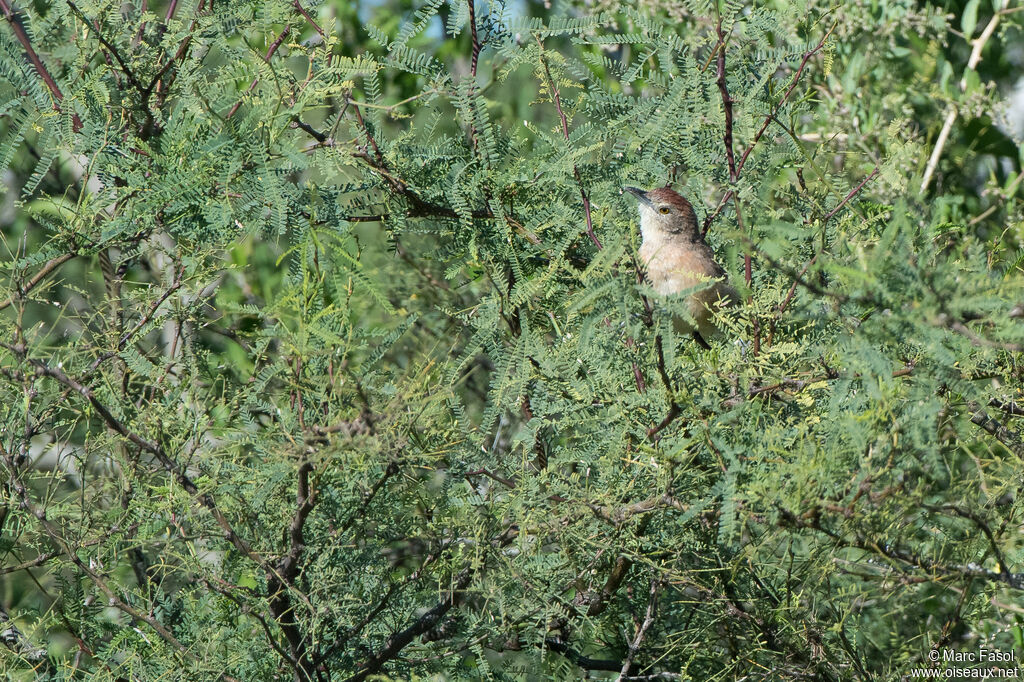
x=672 y=270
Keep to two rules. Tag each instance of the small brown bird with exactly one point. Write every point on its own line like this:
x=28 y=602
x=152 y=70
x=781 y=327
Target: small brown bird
x=677 y=258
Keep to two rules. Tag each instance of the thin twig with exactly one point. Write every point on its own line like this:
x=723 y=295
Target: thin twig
x=312 y=22
x=556 y=97
x=962 y=329
x=476 y=41
x=419 y=207
x=50 y=266
x=792 y=289
x=1011 y=439
x=182 y=48
x=391 y=107
x=851 y=194
x=270 y=53
x=425 y=622
x=1009 y=407
x=947 y=125
x=178 y=471
x=508 y=483
x=634 y=646
x=764 y=126
x=110 y=48
x=792 y=86
x=727 y=103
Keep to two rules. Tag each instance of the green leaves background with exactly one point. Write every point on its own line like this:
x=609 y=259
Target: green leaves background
x=313 y=368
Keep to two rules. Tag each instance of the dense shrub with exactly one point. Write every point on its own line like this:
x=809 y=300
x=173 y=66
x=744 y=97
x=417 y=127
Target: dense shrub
x=325 y=351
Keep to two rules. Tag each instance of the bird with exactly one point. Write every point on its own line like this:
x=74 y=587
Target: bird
x=676 y=258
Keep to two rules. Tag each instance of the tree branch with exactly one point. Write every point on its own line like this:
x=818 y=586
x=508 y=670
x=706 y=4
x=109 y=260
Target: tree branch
x=1011 y=439
x=764 y=126
x=978 y=44
x=154 y=449
x=561 y=647
x=110 y=48
x=556 y=97
x=792 y=289
x=252 y=86
x=634 y=646
x=50 y=266
x=15 y=640
x=44 y=73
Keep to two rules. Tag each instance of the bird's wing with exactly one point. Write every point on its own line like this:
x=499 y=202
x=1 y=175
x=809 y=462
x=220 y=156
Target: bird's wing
x=726 y=291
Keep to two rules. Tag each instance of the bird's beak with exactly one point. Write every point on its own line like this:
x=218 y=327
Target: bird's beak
x=640 y=195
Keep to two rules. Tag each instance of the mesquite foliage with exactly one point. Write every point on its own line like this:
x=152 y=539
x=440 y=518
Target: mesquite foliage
x=325 y=352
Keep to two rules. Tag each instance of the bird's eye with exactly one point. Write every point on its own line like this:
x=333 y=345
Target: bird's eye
x=663 y=210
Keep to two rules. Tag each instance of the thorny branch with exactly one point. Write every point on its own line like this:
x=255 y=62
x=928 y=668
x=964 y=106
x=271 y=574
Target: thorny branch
x=398 y=641
x=764 y=126
x=557 y=99
x=418 y=206
x=1011 y=439
x=281 y=581
x=813 y=520
x=19 y=32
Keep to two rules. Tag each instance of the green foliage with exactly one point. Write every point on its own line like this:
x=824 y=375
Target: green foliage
x=325 y=352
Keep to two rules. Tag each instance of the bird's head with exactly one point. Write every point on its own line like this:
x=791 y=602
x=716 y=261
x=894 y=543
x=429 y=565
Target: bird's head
x=664 y=212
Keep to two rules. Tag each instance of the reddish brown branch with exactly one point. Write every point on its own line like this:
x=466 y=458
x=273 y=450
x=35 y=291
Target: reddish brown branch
x=792 y=290
x=557 y=99
x=748 y=273
x=764 y=125
x=673 y=407
x=792 y=86
x=418 y=206
x=270 y=53
x=476 y=40
x=727 y=102
x=312 y=22
x=403 y=638
x=156 y=82
x=673 y=412
x=641 y=385
x=798 y=385
x=734 y=169
x=44 y=73
x=508 y=483
x=381 y=165
x=851 y=194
